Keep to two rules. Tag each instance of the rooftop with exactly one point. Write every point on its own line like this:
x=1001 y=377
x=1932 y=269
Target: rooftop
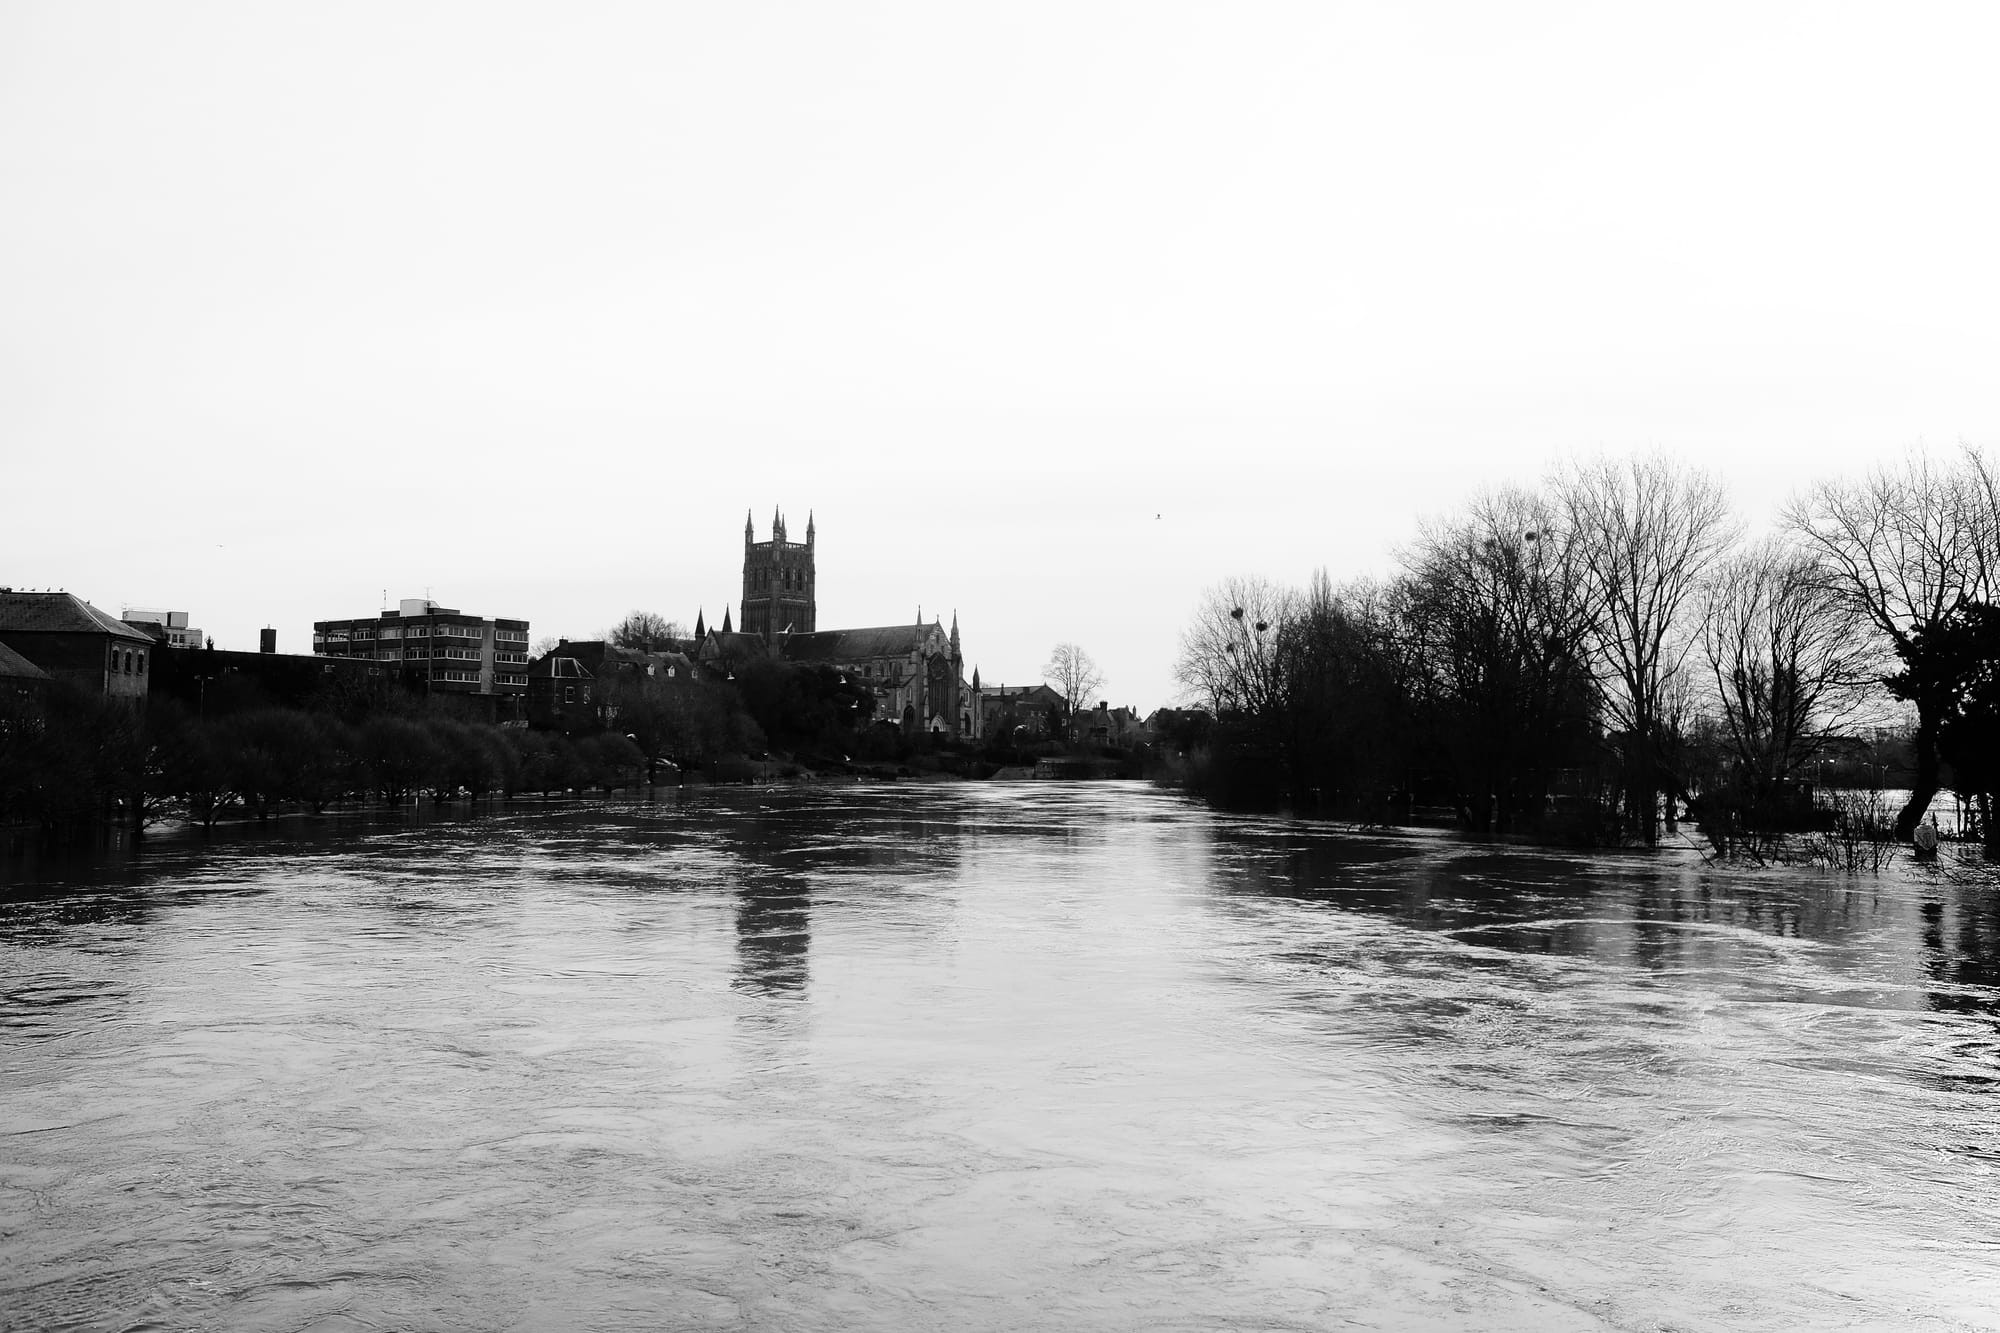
x=61 y=613
x=13 y=666
x=852 y=645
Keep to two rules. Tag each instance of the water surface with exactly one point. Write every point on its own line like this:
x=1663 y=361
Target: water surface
x=986 y=1056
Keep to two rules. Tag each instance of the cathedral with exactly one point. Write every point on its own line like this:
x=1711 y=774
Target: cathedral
x=917 y=671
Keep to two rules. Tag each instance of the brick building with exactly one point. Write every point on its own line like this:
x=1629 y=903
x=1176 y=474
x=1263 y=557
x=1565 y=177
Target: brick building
x=73 y=641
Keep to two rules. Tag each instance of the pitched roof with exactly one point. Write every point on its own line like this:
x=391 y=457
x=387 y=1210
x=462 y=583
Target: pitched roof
x=558 y=668
x=1042 y=692
x=61 y=613
x=13 y=666
x=721 y=643
x=853 y=645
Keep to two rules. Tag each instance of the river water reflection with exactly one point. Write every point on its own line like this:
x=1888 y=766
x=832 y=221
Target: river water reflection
x=986 y=1057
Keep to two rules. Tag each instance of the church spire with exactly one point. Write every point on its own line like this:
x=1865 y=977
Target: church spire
x=954 y=632
x=749 y=529
x=809 y=527
x=777 y=524
x=700 y=632
x=725 y=621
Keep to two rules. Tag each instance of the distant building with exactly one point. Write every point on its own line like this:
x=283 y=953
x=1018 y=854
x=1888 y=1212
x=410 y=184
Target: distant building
x=575 y=686
x=450 y=652
x=779 y=596
x=168 y=627
x=559 y=694
x=1032 y=708
x=19 y=676
x=73 y=641
x=607 y=661
x=1105 y=725
x=915 y=670
x=912 y=669
x=1178 y=728
x=212 y=681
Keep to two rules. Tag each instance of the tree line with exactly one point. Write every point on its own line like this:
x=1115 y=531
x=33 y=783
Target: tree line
x=72 y=762
x=1594 y=656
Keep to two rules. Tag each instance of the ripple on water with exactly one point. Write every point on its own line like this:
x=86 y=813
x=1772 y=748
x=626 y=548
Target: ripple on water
x=987 y=1057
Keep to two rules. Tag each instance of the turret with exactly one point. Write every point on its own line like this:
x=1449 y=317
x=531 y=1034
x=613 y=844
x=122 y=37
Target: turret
x=809 y=527
x=777 y=526
x=954 y=634
x=749 y=529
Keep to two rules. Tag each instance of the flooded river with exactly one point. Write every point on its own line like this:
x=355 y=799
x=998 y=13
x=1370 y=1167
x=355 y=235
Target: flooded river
x=1025 y=1056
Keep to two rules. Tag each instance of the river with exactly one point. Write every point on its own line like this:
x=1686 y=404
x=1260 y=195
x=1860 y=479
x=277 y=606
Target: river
x=986 y=1056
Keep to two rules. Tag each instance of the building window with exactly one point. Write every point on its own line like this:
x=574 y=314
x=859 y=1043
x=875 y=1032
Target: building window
x=569 y=694
x=142 y=664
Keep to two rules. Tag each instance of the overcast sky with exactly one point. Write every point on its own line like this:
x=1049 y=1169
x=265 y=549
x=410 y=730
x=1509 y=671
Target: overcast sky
x=1055 y=314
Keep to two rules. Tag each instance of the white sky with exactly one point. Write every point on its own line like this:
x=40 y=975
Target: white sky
x=526 y=305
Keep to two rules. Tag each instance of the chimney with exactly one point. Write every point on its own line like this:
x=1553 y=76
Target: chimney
x=267 y=640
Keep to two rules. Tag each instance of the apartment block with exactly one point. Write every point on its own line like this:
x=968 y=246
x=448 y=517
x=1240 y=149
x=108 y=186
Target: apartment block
x=440 y=649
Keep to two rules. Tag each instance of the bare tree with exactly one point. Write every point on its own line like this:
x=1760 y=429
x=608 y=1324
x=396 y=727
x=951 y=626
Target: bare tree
x=1907 y=546
x=1071 y=673
x=1647 y=531
x=646 y=630
x=1497 y=618
x=1229 y=659
x=1788 y=663
x=1339 y=697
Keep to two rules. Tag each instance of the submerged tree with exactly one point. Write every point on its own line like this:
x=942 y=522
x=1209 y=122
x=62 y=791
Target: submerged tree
x=1788 y=665
x=1646 y=532
x=1908 y=546
x=1341 y=704
x=1498 y=616
x=1228 y=661
x=1957 y=660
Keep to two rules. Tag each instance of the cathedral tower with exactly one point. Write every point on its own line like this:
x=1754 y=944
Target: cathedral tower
x=778 y=585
